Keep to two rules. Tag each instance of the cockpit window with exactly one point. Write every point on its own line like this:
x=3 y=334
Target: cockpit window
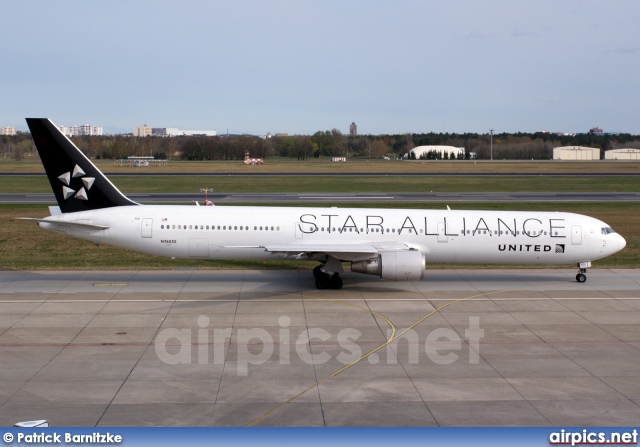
x=607 y=230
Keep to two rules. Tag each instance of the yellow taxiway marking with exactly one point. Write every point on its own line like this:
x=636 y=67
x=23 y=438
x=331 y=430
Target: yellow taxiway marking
x=393 y=332
x=392 y=338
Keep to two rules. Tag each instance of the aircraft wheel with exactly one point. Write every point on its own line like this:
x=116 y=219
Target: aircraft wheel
x=317 y=272
x=335 y=282
x=322 y=282
x=581 y=277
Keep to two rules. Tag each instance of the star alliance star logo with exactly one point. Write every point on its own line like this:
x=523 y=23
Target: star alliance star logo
x=67 y=192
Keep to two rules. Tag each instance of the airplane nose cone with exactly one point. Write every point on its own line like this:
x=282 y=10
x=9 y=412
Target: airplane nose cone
x=622 y=243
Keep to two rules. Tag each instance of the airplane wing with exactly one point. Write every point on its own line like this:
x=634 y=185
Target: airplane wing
x=68 y=224
x=342 y=252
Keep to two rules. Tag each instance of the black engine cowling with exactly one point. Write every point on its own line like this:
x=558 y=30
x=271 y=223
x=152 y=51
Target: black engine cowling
x=393 y=265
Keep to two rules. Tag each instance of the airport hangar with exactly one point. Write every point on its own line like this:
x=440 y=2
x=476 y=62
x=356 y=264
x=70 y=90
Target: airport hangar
x=576 y=153
x=451 y=151
x=622 y=154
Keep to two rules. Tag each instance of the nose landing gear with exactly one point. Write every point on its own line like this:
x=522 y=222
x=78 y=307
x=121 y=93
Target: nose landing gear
x=582 y=275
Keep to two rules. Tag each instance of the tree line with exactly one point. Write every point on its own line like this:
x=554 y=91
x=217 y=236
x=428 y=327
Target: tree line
x=330 y=143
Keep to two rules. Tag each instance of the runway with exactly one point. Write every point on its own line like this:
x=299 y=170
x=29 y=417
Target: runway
x=245 y=347
x=330 y=198
x=345 y=174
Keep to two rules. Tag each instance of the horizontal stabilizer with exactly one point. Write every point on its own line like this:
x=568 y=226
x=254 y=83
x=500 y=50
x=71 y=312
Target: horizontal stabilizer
x=68 y=224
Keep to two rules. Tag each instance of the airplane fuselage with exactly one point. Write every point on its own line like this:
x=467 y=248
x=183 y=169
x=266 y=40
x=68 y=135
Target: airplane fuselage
x=443 y=236
x=393 y=244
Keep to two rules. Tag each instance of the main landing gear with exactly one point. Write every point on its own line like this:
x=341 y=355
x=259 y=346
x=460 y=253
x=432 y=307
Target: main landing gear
x=326 y=280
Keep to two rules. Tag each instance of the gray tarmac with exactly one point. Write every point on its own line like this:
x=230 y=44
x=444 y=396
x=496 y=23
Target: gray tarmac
x=325 y=199
x=232 y=348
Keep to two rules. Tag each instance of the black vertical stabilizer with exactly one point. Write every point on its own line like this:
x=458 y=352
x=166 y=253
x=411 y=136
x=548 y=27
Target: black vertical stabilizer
x=77 y=184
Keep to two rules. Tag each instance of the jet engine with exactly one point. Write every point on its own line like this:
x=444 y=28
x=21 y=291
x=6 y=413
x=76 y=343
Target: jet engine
x=393 y=265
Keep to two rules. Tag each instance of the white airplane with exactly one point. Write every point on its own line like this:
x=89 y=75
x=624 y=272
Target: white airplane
x=393 y=244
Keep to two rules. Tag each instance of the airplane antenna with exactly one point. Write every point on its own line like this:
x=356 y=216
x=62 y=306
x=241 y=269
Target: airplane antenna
x=448 y=208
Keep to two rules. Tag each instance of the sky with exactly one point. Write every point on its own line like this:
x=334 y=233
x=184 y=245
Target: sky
x=300 y=66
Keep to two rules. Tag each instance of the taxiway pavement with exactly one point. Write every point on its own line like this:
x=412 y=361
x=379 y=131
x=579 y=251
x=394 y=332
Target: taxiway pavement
x=233 y=348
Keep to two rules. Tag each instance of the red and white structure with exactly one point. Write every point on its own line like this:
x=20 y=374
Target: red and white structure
x=252 y=161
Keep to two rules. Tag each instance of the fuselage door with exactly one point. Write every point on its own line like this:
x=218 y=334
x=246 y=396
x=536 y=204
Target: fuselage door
x=147 y=225
x=576 y=235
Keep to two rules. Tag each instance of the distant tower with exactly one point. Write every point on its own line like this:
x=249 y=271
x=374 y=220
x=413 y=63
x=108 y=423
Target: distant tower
x=353 y=130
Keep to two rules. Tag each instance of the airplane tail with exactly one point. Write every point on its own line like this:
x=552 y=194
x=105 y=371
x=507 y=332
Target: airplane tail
x=77 y=184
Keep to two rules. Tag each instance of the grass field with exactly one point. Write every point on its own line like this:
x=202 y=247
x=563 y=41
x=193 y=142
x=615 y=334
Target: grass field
x=354 y=165
x=352 y=184
x=25 y=246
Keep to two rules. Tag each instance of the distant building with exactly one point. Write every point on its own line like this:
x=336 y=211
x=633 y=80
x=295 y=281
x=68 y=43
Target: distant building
x=622 y=154
x=451 y=151
x=596 y=131
x=142 y=131
x=576 y=153
x=164 y=131
x=353 y=130
x=192 y=133
x=175 y=132
x=87 y=129
x=7 y=130
x=79 y=131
